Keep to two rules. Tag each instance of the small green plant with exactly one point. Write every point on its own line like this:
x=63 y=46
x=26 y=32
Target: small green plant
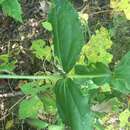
x=96 y=49
x=40 y=50
x=5 y=64
x=12 y=9
x=74 y=91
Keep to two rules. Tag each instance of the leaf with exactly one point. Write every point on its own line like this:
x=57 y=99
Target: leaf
x=127 y=12
x=121 y=75
x=4 y=58
x=49 y=103
x=5 y=64
x=29 y=108
x=73 y=106
x=37 y=123
x=9 y=67
x=98 y=125
x=97 y=48
x=68 y=37
x=96 y=53
x=1 y=1
x=33 y=88
x=122 y=5
x=40 y=50
x=9 y=124
x=55 y=127
x=47 y=25
x=98 y=72
x=124 y=118
x=106 y=106
x=12 y=9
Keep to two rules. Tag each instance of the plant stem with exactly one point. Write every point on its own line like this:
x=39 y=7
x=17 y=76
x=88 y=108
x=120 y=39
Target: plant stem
x=88 y=76
x=52 y=77
x=30 y=77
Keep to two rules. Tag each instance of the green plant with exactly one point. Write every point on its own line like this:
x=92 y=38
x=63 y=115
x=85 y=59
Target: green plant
x=74 y=90
x=40 y=50
x=5 y=64
x=12 y=9
x=124 y=118
x=122 y=5
x=96 y=49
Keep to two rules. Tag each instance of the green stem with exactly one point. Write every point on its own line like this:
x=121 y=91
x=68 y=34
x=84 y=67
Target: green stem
x=30 y=77
x=55 y=77
x=88 y=76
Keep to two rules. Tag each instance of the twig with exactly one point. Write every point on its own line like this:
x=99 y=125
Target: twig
x=8 y=95
x=99 y=12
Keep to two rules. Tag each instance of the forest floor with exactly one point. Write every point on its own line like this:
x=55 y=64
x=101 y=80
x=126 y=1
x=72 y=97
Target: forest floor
x=16 y=39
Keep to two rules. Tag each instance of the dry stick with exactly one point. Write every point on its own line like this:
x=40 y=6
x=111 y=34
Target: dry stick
x=84 y=8
x=99 y=12
x=10 y=87
x=8 y=95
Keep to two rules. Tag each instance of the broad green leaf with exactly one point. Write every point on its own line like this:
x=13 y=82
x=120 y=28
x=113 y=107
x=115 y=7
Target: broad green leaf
x=121 y=75
x=12 y=9
x=33 y=88
x=47 y=25
x=29 y=108
x=98 y=72
x=68 y=37
x=73 y=106
x=97 y=48
x=37 y=123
